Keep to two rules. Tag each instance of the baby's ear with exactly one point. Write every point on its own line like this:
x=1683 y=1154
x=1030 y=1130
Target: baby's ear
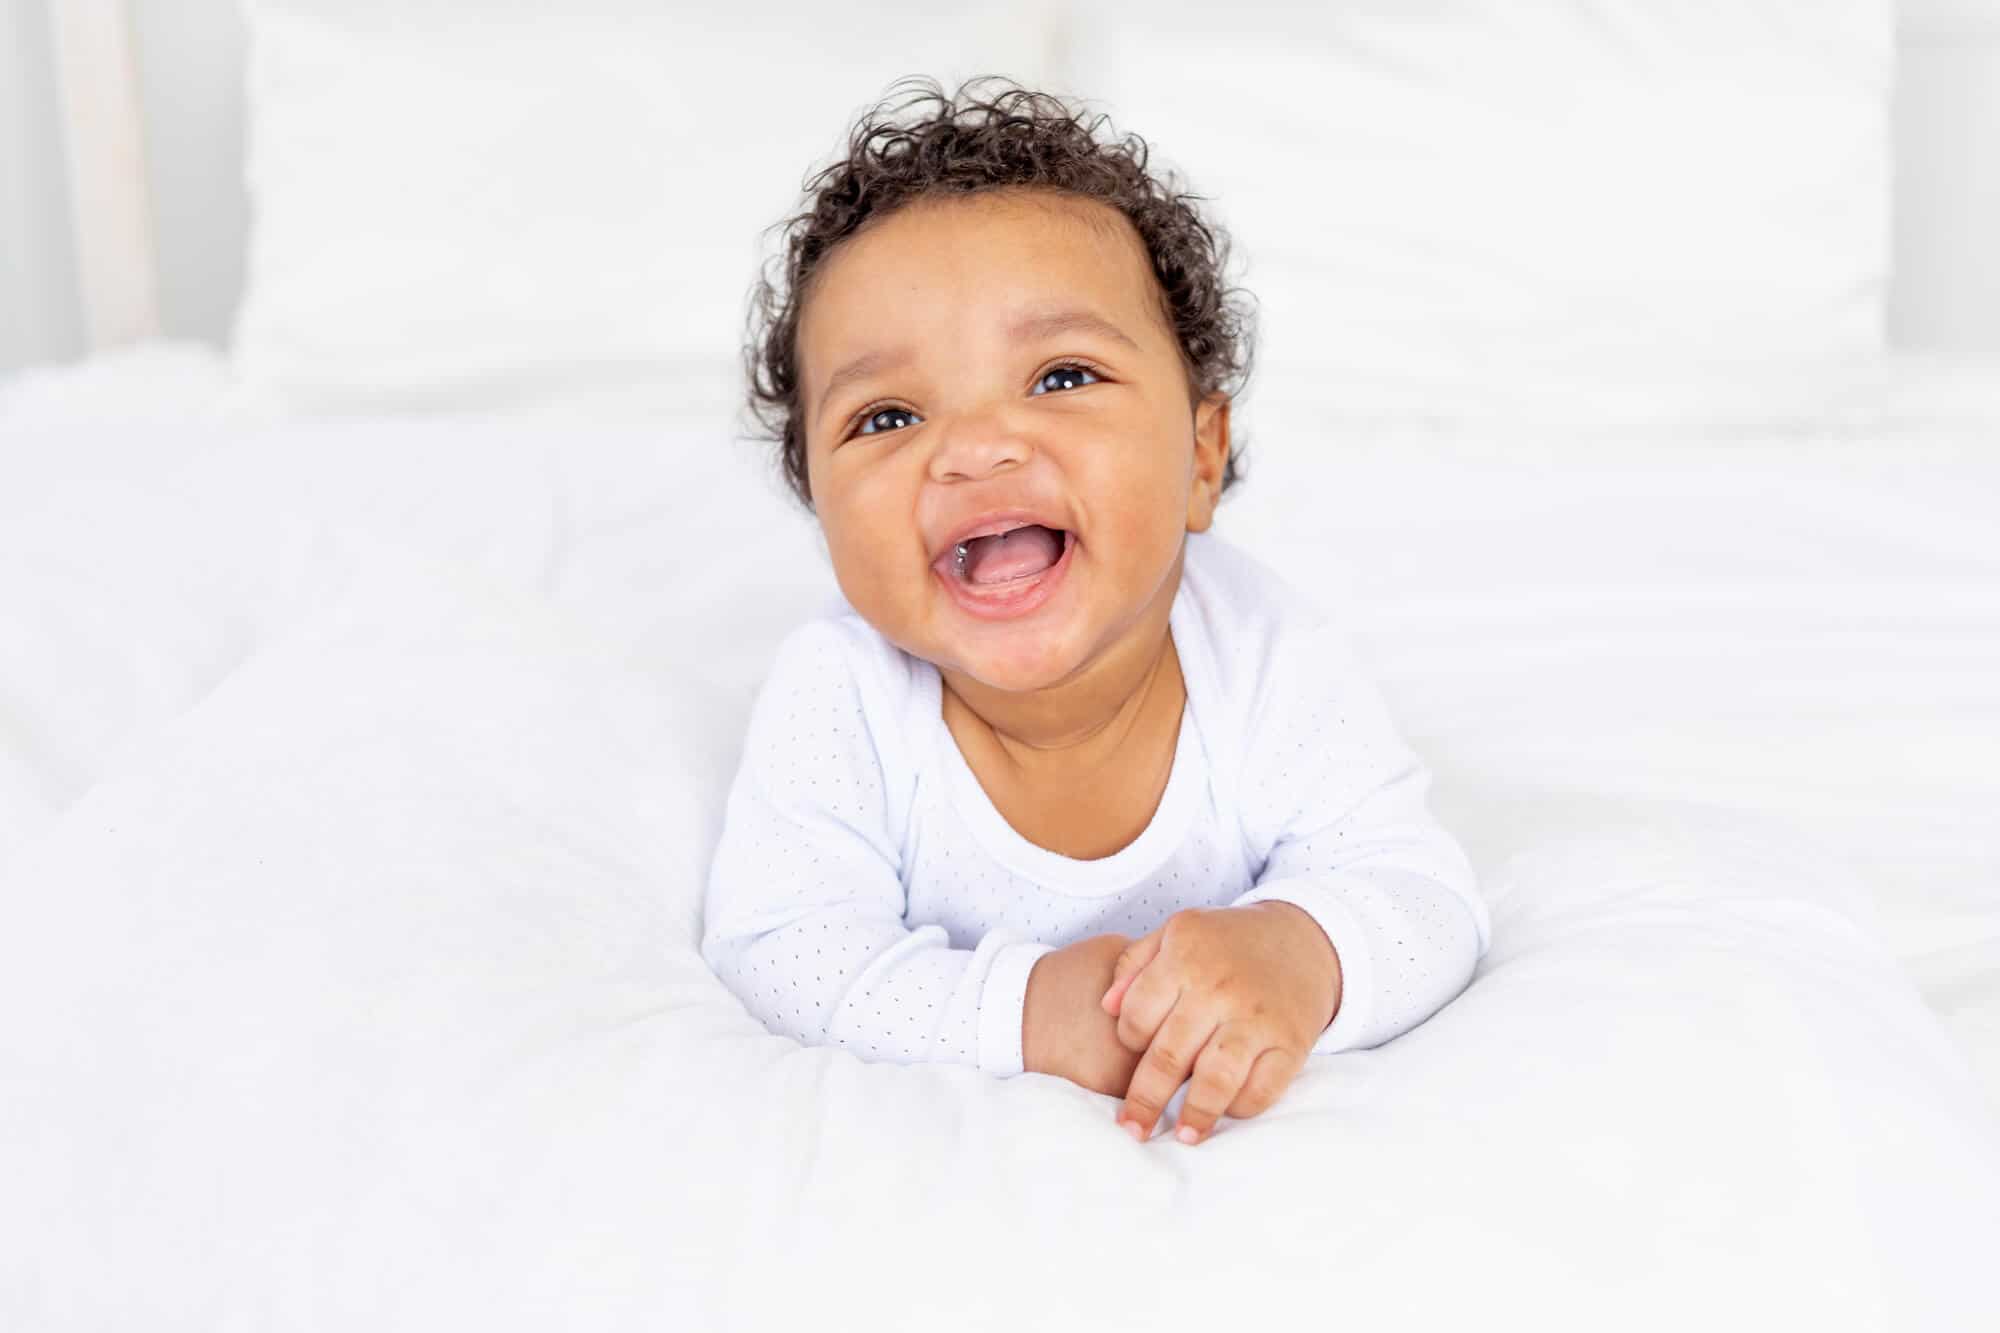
x=1211 y=457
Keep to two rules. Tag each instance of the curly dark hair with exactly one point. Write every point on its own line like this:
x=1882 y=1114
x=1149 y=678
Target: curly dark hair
x=991 y=134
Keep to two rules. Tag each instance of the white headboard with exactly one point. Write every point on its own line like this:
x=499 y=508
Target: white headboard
x=150 y=103
x=104 y=148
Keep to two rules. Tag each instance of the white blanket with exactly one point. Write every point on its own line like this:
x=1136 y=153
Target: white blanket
x=361 y=780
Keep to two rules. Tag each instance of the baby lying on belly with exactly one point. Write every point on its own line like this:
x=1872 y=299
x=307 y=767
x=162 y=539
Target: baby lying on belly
x=1072 y=786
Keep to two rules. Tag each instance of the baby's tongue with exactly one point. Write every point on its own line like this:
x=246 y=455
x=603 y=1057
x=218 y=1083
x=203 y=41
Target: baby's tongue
x=1012 y=555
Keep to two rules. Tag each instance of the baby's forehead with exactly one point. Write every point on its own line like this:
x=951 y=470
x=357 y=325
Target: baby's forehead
x=1007 y=250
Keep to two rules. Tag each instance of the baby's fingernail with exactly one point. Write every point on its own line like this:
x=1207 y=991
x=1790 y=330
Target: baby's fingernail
x=1187 y=1134
x=1138 y=1130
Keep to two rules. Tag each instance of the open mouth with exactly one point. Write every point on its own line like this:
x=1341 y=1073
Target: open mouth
x=1006 y=557
x=1005 y=574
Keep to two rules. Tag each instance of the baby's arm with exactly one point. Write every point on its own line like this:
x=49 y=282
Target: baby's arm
x=1364 y=908
x=805 y=904
x=1355 y=846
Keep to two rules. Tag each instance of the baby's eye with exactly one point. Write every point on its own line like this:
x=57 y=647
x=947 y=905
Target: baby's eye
x=1065 y=377
x=889 y=418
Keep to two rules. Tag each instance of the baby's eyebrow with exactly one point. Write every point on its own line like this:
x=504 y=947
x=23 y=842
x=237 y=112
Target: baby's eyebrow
x=1038 y=324
x=861 y=367
x=1033 y=326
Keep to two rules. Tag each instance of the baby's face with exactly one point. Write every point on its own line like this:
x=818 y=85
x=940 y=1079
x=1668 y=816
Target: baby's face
x=1000 y=362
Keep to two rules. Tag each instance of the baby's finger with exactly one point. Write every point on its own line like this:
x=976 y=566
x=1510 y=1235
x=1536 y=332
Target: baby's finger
x=1130 y=963
x=1116 y=995
x=1270 y=1074
x=1219 y=1075
x=1149 y=997
x=1163 y=1069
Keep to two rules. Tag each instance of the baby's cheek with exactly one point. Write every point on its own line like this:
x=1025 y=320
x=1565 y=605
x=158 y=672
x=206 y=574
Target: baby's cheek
x=870 y=583
x=884 y=579
x=1141 y=536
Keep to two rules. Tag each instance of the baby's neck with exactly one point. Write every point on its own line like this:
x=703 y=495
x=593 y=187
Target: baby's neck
x=1079 y=768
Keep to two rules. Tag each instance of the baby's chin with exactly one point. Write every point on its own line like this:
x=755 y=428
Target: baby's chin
x=1011 y=668
x=1044 y=650
x=1015 y=658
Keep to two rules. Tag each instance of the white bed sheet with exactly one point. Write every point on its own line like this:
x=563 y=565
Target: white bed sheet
x=1851 y=557
x=1715 y=717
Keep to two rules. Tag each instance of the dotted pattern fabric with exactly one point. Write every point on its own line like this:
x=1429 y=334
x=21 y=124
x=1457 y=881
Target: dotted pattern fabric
x=866 y=893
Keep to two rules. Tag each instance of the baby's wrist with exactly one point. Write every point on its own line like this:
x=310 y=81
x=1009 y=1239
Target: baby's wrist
x=1064 y=1030
x=1306 y=927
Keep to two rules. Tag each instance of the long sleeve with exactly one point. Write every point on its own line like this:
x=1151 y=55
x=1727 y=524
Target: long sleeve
x=804 y=913
x=1352 y=843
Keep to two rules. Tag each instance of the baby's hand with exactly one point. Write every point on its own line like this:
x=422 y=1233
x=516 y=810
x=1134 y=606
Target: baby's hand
x=1238 y=995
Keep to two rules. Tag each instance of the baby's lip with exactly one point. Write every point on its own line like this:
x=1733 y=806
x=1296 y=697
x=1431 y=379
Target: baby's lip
x=996 y=521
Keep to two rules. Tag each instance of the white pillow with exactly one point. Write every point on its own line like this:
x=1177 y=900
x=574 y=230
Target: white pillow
x=484 y=204
x=1571 y=209
x=1559 y=208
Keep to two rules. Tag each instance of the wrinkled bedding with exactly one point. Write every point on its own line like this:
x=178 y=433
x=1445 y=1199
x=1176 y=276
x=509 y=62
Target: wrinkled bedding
x=356 y=782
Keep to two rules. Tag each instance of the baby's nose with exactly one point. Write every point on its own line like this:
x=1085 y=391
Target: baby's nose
x=977 y=445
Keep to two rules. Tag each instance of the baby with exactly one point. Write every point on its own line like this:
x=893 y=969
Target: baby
x=1070 y=785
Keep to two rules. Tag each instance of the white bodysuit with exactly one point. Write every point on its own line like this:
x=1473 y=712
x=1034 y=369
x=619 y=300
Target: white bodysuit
x=867 y=893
